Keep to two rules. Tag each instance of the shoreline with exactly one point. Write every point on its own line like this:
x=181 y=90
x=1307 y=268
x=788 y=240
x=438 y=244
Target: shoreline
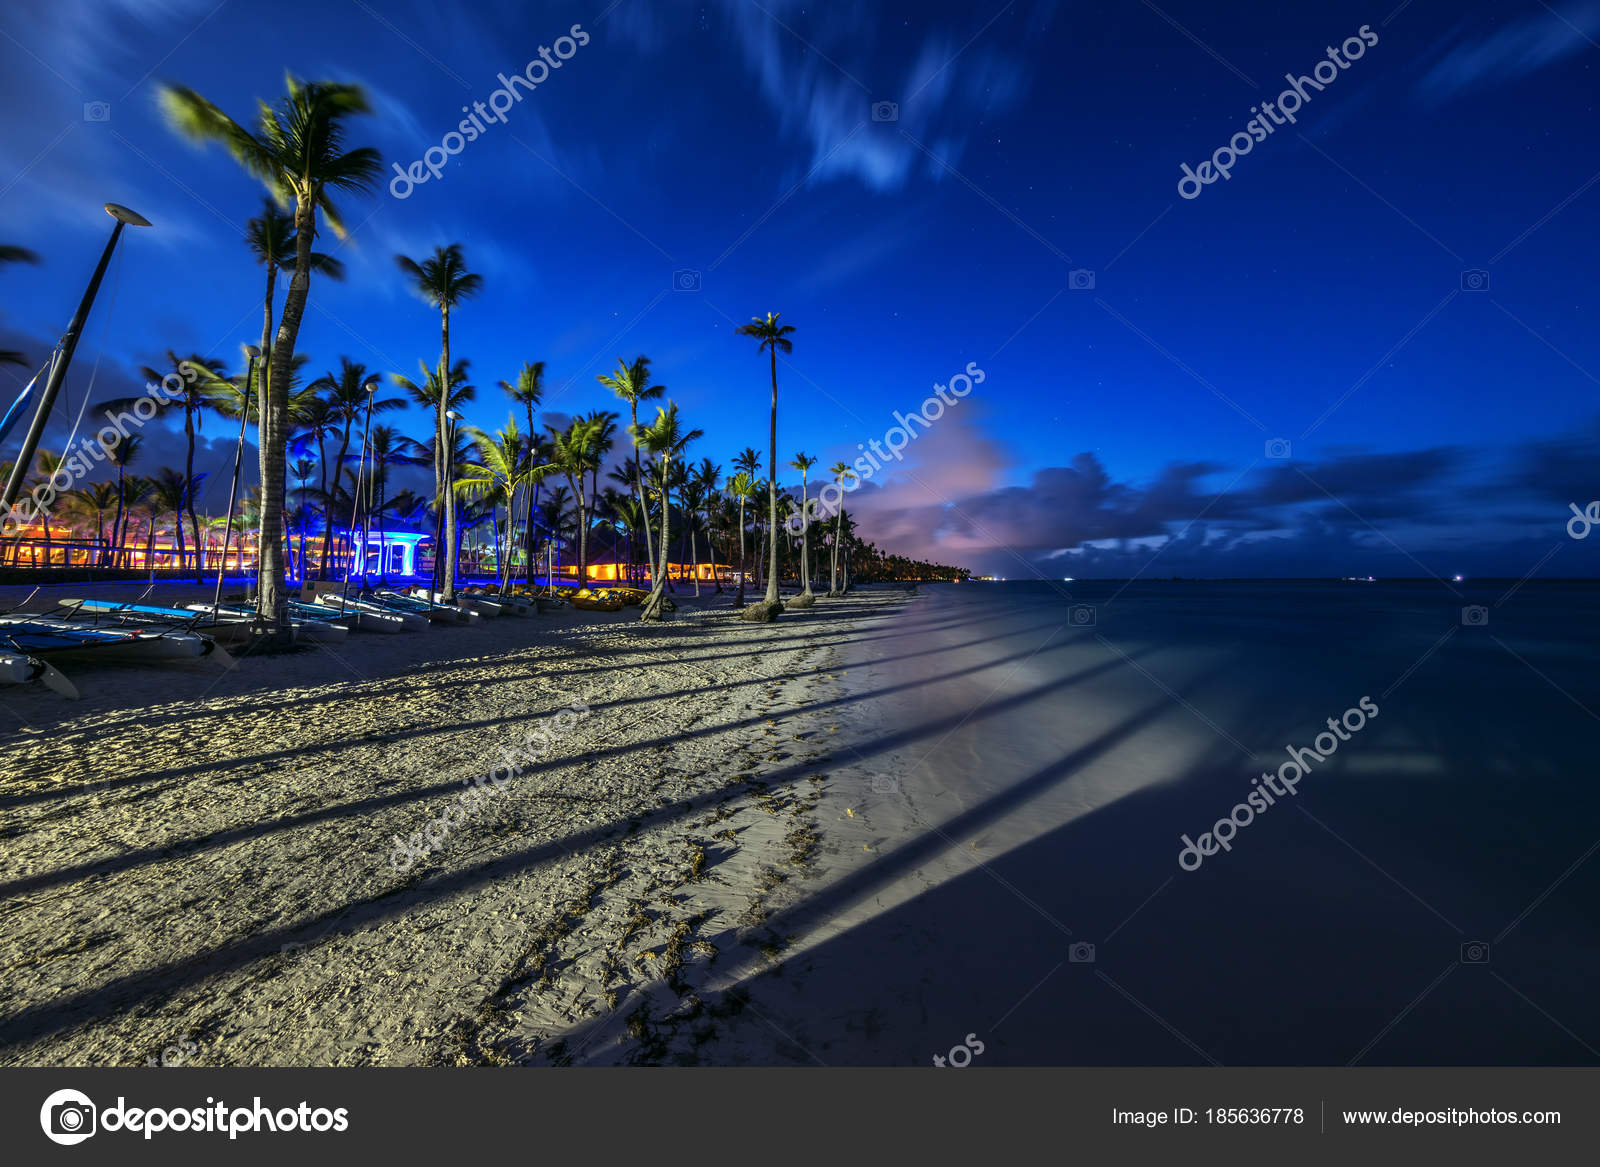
x=213 y=881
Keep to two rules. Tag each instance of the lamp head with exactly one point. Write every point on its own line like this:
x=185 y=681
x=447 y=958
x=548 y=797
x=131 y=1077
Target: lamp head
x=253 y=352
x=123 y=215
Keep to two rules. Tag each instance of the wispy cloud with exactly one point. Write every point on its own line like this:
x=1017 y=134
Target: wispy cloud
x=1517 y=49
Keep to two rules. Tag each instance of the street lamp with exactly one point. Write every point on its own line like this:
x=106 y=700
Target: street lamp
x=69 y=345
x=254 y=355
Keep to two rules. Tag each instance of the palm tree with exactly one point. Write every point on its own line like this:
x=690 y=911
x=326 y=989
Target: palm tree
x=749 y=462
x=741 y=487
x=443 y=281
x=664 y=439
x=348 y=394
x=502 y=467
x=707 y=480
x=806 y=597
x=387 y=447
x=774 y=338
x=631 y=382
x=298 y=151
x=841 y=474
x=528 y=391
x=121 y=452
x=575 y=452
x=170 y=494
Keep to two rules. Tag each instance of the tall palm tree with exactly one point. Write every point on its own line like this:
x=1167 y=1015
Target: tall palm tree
x=169 y=496
x=197 y=382
x=631 y=382
x=841 y=474
x=708 y=481
x=748 y=461
x=298 y=150
x=806 y=597
x=741 y=487
x=773 y=338
x=502 y=467
x=575 y=452
x=386 y=448
x=443 y=281
x=347 y=393
x=664 y=439
x=122 y=453
x=528 y=391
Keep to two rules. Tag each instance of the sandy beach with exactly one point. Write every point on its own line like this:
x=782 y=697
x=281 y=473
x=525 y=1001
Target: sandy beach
x=201 y=866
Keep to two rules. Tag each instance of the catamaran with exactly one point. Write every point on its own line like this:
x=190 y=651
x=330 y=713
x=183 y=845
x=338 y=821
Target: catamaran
x=19 y=670
x=227 y=627
x=41 y=636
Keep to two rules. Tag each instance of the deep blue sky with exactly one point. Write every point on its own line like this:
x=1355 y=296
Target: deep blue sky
x=736 y=139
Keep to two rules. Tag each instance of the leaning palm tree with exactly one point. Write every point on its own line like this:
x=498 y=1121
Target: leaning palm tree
x=774 y=338
x=631 y=382
x=443 y=281
x=841 y=474
x=298 y=151
x=741 y=487
x=806 y=597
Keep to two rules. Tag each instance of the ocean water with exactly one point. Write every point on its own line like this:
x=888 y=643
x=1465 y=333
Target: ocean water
x=1426 y=894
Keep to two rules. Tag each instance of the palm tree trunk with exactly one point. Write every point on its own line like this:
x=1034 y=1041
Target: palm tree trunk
x=112 y=553
x=327 y=508
x=833 y=576
x=273 y=428
x=652 y=605
x=188 y=470
x=445 y=457
x=711 y=552
x=738 y=601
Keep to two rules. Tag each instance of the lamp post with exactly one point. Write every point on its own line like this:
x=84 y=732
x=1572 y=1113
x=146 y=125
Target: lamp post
x=254 y=355
x=69 y=345
x=360 y=485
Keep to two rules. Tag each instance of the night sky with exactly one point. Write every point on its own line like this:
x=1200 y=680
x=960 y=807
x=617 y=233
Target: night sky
x=1148 y=358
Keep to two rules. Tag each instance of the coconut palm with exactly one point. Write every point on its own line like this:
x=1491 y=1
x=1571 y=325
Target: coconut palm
x=298 y=151
x=502 y=468
x=387 y=447
x=806 y=597
x=528 y=391
x=741 y=488
x=575 y=452
x=841 y=474
x=773 y=338
x=708 y=480
x=443 y=281
x=631 y=382
x=348 y=394
x=665 y=439
x=121 y=453
x=169 y=496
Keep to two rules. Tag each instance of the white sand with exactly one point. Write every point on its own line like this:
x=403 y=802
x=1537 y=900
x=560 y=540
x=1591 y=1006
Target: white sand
x=197 y=861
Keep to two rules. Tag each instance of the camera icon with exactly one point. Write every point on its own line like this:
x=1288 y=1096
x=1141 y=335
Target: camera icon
x=1081 y=953
x=1278 y=447
x=1475 y=615
x=686 y=280
x=68 y=1117
x=883 y=784
x=1475 y=952
x=1474 y=279
x=1082 y=615
x=97 y=111
x=886 y=111
x=1081 y=279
